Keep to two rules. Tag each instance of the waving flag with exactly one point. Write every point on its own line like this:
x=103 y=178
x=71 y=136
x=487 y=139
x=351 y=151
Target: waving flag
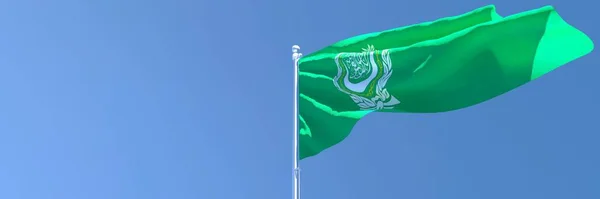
x=445 y=65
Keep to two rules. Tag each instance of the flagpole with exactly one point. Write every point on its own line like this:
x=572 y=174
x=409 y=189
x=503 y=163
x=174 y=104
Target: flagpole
x=296 y=56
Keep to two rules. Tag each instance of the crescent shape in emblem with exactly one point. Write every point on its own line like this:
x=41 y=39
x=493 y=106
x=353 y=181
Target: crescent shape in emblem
x=362 y=86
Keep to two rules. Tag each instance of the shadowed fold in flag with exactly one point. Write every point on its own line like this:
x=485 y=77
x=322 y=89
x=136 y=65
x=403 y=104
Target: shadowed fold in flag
x=439 y=66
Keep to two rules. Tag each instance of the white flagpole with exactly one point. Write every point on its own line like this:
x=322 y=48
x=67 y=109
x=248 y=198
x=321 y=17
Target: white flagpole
x=296 y=56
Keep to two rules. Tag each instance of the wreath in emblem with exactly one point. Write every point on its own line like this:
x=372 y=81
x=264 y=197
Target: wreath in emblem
x=382 y=98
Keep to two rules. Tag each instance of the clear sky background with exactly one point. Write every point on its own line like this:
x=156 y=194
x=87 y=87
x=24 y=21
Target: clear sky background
x=192 y=99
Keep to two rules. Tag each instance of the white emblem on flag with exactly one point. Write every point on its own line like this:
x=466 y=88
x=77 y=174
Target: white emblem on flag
x=363 y=76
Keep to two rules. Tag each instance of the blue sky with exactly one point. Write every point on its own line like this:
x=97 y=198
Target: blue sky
x=190 y=99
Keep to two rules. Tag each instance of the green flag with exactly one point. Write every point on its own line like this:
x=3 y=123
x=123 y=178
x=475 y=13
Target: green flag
x=445 y=65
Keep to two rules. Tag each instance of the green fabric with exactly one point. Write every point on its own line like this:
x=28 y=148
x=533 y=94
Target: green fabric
x=445 y=65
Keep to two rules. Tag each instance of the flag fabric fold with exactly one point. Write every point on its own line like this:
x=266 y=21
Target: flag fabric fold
x=439 y=66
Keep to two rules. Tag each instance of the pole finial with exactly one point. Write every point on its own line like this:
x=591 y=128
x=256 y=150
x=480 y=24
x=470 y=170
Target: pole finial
x=296 y=52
